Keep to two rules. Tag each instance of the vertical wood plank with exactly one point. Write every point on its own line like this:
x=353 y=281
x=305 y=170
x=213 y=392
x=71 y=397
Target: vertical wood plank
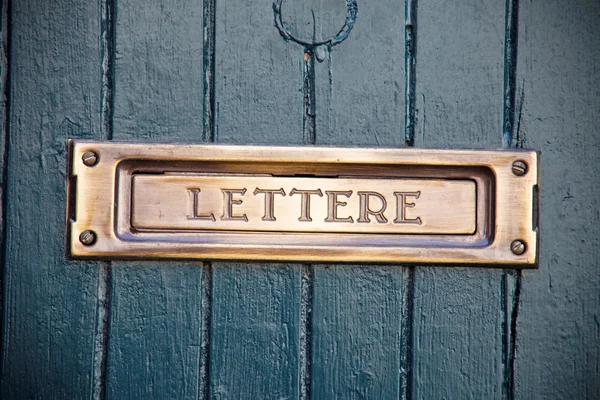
x=458 y=312
x=4 y=93
x=360 y=83
x=254 y=338
x=558 y=334
x=258 y=77
x=50 y=303
x=357 y=310
x=356 y=332
x=155 y=316
x=256 y=307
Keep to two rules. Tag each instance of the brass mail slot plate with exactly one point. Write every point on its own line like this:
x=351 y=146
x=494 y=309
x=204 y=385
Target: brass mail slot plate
x=310 y=204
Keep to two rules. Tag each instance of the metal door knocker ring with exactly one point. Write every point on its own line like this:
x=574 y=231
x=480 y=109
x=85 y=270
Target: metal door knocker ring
x=338 y=38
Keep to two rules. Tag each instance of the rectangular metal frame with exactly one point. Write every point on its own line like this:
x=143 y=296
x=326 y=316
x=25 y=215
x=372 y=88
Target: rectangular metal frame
x=506 y=209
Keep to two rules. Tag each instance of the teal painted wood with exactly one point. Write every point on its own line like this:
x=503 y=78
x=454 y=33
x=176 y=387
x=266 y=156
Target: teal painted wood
x=255 y=341
x=558 y=336
x=4 y=93
x=255 y=335
x=158 y=71
x=458 y=312
x=258 y=77
x=50 y=303
x=154 y=342
x=357 y=310
x=360 y=84
x=154 y=346
x=356 y=329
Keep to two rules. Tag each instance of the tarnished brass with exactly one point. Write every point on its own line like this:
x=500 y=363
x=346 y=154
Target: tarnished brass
x=303 y=203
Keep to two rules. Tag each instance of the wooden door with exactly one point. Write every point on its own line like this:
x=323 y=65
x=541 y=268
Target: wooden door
x=446 y=74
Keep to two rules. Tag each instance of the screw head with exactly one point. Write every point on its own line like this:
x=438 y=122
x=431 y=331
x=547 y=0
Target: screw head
x=87 y=238
x=89 y=158
x=519 y=168
x=518 y=247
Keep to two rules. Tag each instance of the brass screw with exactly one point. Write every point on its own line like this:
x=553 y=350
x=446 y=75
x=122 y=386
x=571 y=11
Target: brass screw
x=87 y=238
x=90 y=158
x=518 y=247
x=519 y=168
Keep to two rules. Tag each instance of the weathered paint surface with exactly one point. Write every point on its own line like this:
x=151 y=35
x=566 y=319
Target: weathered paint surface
x=49 y=305
x=558 y=325
x=154 y=329
x=255 y=307
x=357 y=310
x=255 y=335
x=356 y=332
x=141 y=71
x=458 y=315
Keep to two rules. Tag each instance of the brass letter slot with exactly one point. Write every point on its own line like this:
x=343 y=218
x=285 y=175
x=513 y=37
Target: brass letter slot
x=302 y=203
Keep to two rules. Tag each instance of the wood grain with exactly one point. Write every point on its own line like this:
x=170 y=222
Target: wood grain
x=258 y=78
x=356 y=332
x=49 y=302
x=357 y=310
x=458 y=312
x=154 y=345
x=255 y=344
x=4 y=117
x=360 y=83
x=558 y=334
x=254 y=337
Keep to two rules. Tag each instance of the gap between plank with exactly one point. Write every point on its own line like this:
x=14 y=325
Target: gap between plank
x=510 y=70
x=209 y=21
x=309 y=129
x=104 y=292
x=410 y=64
x=406 y=345
x=511 y=289
x=309 y=120
x=513 y=335
x=209 y=135
x=408 y=273
x=306 y=302
x=104 y=288
x=206 y=308
x=307 y=270
x=5 y=82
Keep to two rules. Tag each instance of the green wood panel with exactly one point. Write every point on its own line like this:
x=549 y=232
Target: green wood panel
x=558 y=334
x=4 y=89
x=356 y=332
x=360 y=83
x=458 y=312
x=154 y=343
x=254 y=337
x=158 y=71
x=255 y=331
x=458 y=322
x=357 y=310
x=258 y=77
x=155 y=317
x=50 y=303
x=255 y=342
